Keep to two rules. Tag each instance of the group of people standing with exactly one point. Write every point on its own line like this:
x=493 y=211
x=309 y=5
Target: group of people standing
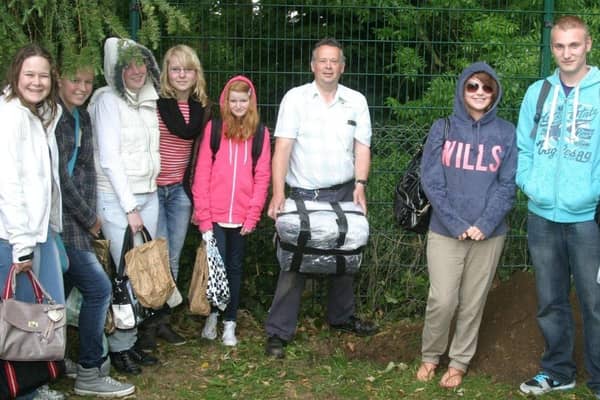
x=138 y=156
x=141 y=156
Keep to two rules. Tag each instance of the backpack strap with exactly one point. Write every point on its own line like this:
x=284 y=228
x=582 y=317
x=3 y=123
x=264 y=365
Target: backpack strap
x=215 y=137
x=539 y=106
x=257 y=144
x=446 y=127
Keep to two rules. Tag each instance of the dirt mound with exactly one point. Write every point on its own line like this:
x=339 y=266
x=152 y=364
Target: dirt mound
x=510 y=344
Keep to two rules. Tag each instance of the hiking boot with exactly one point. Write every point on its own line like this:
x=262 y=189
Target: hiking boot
x=45 y=393
x=166 y=332
x=210 y=327
x=542 y=383
x=90 y=382
x=147 y=337
x=123 y=363
x=274 y=347
x=141 y=357
x=357 y=326
x=70 y=368
x=229 y=338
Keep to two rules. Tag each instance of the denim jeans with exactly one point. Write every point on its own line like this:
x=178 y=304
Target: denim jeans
x=174 y=212
x=113 y=227
x=231 y=249
x=46 y=266
x=559 y=251
x=86 y=273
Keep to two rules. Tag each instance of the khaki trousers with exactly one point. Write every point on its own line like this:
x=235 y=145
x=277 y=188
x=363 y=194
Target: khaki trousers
x=460 y=276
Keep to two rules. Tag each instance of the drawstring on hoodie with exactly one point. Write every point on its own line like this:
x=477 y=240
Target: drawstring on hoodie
x=573 y=132
x=230 y=143
x=573 y=138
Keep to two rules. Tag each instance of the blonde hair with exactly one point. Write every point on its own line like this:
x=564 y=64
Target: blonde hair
x=571 y=22
x=240 y=128
x=188 y=57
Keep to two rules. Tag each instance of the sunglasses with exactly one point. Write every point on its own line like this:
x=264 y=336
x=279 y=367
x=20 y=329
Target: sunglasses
x=472 y=87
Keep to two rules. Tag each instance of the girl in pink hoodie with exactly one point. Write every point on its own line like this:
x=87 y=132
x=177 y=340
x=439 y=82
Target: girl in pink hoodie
x=230 y=190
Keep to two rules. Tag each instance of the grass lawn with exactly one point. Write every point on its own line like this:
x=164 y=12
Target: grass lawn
x=318 y=365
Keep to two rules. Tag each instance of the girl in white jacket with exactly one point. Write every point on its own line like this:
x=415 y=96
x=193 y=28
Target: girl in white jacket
x=30 y=201
x=125 y=122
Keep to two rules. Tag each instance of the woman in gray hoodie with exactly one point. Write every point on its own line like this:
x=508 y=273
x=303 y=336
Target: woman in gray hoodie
x=468 y=174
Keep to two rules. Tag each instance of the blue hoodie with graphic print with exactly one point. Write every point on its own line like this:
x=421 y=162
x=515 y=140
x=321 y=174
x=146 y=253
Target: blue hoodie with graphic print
x=559 y=169
x=469 y=177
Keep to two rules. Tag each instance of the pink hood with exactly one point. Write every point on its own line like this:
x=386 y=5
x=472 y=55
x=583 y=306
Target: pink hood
x=236 y=78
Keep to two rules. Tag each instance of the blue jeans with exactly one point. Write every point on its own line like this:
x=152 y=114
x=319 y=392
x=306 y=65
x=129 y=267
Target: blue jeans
x=231 y=249
x=86 y=273
x=113 y=227
x=174 y=212
x=559 y=251
x=46 y=266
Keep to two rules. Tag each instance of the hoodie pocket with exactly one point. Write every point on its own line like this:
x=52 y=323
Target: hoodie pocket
x=541 y=190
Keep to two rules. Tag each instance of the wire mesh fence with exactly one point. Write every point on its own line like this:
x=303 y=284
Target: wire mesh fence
x=405 y=59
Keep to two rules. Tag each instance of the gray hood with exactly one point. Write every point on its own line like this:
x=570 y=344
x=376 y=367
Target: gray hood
x=460 y=109
x=114 y=65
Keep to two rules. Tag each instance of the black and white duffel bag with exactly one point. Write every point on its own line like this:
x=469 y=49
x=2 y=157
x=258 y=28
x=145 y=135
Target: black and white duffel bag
x=316 y=237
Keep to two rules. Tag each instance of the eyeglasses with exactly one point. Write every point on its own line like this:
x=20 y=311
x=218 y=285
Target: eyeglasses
x=179 y=70
x=472 y=87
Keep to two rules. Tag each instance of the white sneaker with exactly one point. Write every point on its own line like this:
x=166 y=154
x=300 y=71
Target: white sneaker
x=229 y=338
x=210 y=327
x=45 y=393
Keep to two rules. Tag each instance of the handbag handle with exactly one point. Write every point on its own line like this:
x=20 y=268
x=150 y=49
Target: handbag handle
x=128 y=245
x=10 y=287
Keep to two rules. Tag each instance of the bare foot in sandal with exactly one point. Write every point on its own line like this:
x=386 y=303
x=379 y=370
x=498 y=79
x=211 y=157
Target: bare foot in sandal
x=426 y=371
x=452 y=378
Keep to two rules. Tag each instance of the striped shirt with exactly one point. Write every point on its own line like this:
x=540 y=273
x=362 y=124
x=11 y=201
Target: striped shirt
x=175 y=152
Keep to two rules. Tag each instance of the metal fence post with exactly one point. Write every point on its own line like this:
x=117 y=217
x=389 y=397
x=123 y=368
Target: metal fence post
x=546 y=54
x=134 y=19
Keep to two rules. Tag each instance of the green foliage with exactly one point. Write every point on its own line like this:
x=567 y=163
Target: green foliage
x=74 y=30
x=404 y=55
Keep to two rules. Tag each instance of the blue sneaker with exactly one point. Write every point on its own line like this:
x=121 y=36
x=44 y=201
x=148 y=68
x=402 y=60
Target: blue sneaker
x=542 y=383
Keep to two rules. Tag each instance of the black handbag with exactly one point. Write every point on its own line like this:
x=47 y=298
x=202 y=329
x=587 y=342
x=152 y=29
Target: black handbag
x=127 y=312
x=412 y=209
x=18 y=378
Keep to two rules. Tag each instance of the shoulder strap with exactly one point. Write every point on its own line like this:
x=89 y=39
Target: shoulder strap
x=215 y=136
x=257 y=144
x=446 y=127
x=540 y=105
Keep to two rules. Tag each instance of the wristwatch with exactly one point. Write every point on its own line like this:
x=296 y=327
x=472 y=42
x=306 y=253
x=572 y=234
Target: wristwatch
x=133 y=210
x=361 y=181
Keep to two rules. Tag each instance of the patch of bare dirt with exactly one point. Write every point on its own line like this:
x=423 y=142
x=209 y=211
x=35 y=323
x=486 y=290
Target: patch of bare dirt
x=510 y=344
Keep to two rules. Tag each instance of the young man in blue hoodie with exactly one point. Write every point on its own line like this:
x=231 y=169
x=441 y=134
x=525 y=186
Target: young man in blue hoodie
x=559 y=171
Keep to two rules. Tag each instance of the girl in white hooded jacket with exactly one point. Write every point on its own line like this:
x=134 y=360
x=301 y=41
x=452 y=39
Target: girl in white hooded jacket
x=127 y=160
